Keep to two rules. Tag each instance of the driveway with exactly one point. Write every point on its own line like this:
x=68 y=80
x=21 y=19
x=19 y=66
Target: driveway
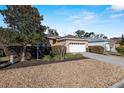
x=106 y=58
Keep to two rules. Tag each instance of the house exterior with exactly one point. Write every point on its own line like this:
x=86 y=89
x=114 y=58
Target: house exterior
x=75 y=44
x=53 y=39
x=116 y=41
x=107 y=44
x=72 y=43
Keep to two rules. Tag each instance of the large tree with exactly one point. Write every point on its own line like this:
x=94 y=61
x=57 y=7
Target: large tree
x=89 y=34
x=80 y=33
x=52 y=32
x=8 y=36
x=27 y=21
x=101 y=36
x=122 y=40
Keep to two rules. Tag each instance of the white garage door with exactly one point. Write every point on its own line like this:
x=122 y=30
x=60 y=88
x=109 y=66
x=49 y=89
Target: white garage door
x=77 y=48
x=107 y=47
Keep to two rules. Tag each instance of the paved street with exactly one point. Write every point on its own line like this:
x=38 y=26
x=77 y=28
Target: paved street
x=106 y=58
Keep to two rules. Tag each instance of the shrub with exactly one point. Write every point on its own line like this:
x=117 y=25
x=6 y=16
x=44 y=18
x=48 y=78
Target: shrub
x=120 y=50
x=87 y=49
x=57 y=58
x=96 y=49
x=58 y=50
x=47 y=58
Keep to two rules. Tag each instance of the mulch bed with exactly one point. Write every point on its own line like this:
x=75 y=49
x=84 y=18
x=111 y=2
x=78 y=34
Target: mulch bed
x=35 y=62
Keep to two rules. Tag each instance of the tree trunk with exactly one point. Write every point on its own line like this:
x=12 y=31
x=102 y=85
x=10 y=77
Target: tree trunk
x=37 y=52
x=23 y=53
x=62 y=53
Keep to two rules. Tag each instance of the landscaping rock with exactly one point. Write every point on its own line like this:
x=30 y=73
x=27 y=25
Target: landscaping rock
x=82 y=73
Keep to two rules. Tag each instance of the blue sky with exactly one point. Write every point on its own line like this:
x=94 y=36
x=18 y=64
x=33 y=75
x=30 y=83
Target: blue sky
x=106 y=19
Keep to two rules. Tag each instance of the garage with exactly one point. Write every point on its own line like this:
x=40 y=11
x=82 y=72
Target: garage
x=107 y=47
x=77 y=47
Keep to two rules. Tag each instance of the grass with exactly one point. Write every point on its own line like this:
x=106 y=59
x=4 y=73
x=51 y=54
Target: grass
x=60 y=58
x=47 y=58
x=69 y=55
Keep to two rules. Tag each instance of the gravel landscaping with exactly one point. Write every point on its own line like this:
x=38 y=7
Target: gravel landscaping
x=82 y=73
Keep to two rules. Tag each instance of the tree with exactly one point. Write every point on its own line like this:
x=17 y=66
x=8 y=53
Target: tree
x=87 y=34
x=101 y=36
x=8 y=36
x=80 y=33
x=91 y=34
x=26 y=20
x=122 y=40
x=52 y=32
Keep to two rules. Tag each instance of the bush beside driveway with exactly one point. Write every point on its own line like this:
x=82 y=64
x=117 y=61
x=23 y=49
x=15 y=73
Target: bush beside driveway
x=81 y=73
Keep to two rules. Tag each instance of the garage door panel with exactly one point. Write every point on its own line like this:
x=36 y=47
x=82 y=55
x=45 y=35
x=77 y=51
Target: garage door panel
x=77 y=48
x=107 y=47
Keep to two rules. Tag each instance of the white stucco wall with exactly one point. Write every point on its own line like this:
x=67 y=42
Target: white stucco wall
x=97 y=43
x=103 y=44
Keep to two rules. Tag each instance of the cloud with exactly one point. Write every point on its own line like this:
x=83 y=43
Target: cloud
x=117 y=15
x=74 y=17
x=82 y=16
x=116 y=8
x=88 y=15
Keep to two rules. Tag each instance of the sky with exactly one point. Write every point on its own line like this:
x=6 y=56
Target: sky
x=66 y=19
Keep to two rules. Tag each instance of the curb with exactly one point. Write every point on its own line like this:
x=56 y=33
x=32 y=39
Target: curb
x=119 y=84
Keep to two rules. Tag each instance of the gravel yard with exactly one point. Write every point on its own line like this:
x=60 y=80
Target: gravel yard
x=81 y=73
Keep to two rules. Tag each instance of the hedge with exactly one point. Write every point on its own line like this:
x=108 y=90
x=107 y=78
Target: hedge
x=120 y=50
x=96 y=49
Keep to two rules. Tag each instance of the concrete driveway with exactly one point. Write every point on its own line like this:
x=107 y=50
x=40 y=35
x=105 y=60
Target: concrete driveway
x=106 y=58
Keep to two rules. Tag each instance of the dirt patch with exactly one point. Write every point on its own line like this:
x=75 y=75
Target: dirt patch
x=82 y=73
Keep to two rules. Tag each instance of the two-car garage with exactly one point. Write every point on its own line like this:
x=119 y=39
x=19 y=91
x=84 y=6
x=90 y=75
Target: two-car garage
x=77 y=47
x=73 y=44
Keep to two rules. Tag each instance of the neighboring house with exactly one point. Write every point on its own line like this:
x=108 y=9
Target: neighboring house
x=116 y=41
x=73 y=44
x=107 y=44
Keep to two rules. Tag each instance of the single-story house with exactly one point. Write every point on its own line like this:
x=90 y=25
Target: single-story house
x=107 y=44
x=73 y=44
x=116 y=41
x=53 y=39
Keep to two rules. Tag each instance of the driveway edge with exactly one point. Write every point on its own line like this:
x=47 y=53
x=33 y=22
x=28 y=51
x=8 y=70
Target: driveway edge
x=119 y=84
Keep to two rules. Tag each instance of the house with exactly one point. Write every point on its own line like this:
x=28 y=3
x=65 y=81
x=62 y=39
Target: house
x=116 y=41
x=107 y=44
x=53 y=39
x=73 y=44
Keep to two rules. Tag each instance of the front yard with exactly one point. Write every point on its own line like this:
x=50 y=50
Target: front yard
x=81 y=73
